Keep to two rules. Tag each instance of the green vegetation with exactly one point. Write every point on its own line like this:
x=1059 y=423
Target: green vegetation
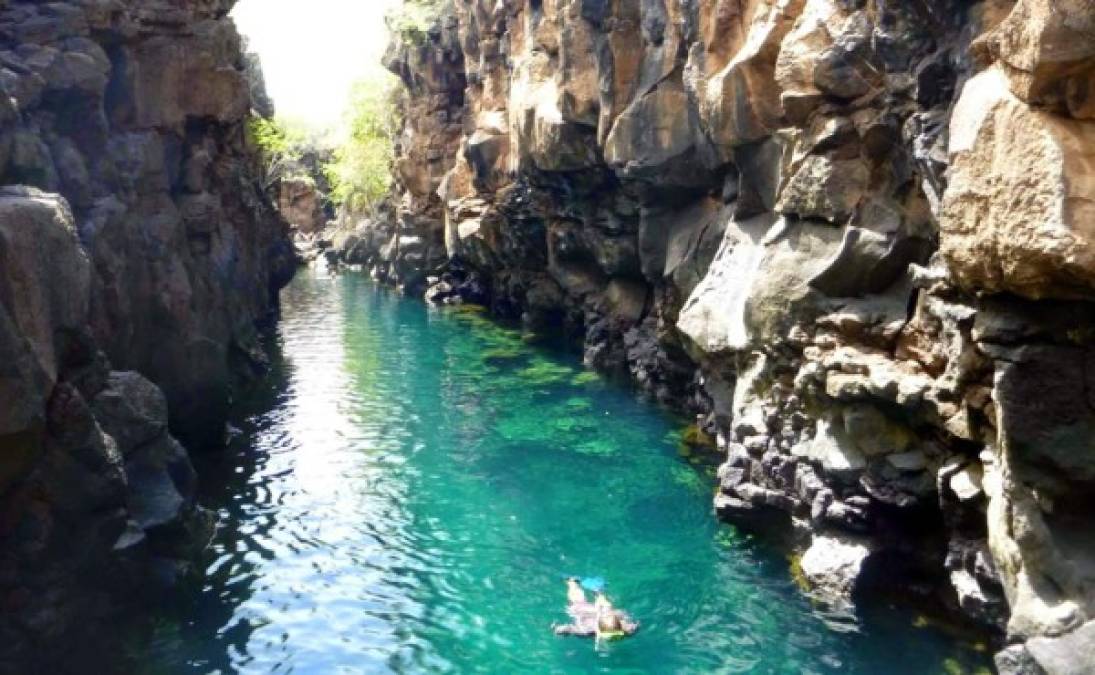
x=269 y=136
x=355 y=162
x=503 y=355
x=360 y=173
x=586 y=377
x=798 y=575
x=696 y=438
x=411 y=21
x=284 y=144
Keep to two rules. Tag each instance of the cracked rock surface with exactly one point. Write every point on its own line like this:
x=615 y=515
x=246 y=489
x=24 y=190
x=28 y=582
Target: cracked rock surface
x=137 y=253
x=855 y=236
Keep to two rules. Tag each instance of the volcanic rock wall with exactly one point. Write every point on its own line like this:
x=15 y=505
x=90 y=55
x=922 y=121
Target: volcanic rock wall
x=136 y=254
x=856 y=235
x=300 y=203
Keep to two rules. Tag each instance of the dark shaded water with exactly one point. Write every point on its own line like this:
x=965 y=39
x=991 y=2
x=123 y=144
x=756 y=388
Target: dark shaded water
x=412 y=485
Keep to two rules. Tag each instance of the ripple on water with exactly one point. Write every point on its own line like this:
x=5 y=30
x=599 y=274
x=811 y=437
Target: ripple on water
x=411 y=486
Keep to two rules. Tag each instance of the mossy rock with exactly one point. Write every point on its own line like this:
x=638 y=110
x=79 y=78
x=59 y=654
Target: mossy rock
x=503 y=356
x=598 y=447
x=543 y=372
x=466 y=309
x=964 y=634
x=729 y=537
x=697 y=438
x=577 y=403
x=531 y=338
x=952 y=666
x=585 y=378
x=566 y=423
x=689 y=478
x=527 y=429
x=798 y=576
x=697 y=446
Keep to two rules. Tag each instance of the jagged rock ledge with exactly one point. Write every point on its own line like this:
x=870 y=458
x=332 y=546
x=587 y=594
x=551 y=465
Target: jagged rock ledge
x=854 y=235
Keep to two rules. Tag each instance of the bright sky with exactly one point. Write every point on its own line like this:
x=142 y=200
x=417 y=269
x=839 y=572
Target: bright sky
x=312 y=52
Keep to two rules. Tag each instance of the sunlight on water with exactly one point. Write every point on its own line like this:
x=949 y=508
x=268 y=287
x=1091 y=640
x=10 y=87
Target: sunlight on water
x=412 y=485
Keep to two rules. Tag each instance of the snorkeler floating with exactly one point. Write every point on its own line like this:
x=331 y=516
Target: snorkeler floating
x=597 y=619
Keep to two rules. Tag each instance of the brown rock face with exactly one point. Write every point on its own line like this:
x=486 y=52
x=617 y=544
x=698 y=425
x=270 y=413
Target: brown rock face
x=133 y=235
x=90 y=479
x=299 y=203
x=1047 y=49
x=1019 y=215
x=856 y=237
x=136 y=116
x=45 y=290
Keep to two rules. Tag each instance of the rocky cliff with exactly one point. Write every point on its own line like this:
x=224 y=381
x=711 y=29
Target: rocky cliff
x=855 y=236
x=137 y=252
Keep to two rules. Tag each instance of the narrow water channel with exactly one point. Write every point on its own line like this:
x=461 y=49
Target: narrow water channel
x=411 y=486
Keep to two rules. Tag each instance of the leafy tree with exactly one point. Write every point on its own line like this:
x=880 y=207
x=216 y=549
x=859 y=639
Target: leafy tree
x=284 y=144
x=361 y=172
x=412 y=19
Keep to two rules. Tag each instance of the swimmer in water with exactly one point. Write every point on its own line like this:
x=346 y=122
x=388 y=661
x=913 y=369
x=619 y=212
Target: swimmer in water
x=599 y=619
x=576 y=595
x=609 y=623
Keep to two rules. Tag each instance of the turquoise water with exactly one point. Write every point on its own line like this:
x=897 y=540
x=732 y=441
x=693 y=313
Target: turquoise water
x=412 y=485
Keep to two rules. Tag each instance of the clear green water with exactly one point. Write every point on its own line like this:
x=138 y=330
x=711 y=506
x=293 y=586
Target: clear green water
x=412 y=485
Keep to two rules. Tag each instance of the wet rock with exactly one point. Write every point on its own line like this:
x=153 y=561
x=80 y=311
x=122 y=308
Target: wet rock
x=161 y=483
x=1070 y=654
x=832 y=565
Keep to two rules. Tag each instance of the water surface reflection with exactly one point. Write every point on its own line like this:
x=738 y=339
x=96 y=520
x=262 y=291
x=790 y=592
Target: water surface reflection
x=410 y=486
